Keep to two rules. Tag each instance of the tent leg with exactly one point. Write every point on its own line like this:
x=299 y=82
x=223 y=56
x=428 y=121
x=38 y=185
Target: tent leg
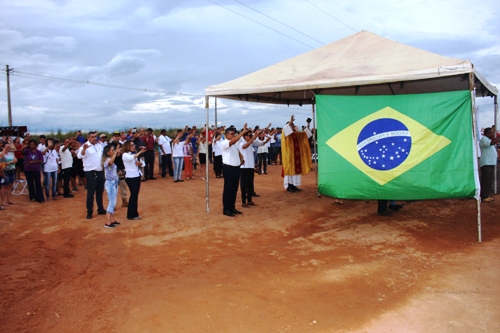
x=496 y=130
x=207 y=197
x=479 y=232
x=476 y=159
x=215 y=116
x=314 y=141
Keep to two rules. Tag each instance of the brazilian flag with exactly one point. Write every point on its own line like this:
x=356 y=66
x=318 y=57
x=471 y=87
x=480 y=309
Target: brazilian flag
x=398 y=147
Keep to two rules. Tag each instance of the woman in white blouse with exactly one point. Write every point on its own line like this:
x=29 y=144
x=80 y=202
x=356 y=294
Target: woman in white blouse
x=132 y=177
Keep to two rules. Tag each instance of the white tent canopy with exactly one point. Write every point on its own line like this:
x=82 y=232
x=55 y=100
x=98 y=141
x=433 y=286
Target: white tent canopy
x=363 y=64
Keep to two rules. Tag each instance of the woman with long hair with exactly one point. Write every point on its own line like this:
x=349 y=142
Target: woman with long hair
x=9 y=174
x=111 y=184
x=133 y=177
x=33 y=158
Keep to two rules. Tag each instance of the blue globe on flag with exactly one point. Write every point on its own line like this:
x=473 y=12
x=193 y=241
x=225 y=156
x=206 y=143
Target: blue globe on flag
x=384 y=144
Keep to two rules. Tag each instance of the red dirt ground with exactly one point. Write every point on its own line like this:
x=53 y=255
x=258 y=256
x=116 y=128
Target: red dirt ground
x=295 y=263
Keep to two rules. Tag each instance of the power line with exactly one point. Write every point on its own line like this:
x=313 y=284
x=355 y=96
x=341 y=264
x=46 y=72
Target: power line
x=286 y=25
x=331 y=16
x=54 y=78
x=215 y=3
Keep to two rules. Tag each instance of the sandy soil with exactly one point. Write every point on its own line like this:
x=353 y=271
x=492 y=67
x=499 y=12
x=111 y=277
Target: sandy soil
x=295 y=263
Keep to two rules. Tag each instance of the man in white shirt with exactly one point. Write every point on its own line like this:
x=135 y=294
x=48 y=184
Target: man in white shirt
x=102 y=140
x=91 y=154
x=41 y=146
x=487 y=162
x=231 y=163
x=165 y=154
x=245 y=146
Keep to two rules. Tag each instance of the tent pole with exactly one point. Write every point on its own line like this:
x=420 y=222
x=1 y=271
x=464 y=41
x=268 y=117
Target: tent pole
x=207 y=198
x=479 y=237
x=475 y=134
x=216 y=125
x=496 y=130
x=314 y=140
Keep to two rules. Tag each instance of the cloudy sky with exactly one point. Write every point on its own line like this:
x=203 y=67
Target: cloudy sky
x=116 y=64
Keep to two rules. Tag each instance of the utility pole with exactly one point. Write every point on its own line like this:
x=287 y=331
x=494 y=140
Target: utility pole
x=9 y=108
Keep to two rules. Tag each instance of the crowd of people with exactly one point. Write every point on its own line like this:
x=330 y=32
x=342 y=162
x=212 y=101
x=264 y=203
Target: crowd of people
x=54 y=168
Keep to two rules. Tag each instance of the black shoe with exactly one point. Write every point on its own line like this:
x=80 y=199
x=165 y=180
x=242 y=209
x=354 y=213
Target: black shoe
x=109 y=225
x=255 y=195
x=89 y=215
x=101 y=212
x=143 y=180
x=236 y=211
x=180 y=180
x=228 y=213
x=291 y=189
x=395 y=207
x=384 y=213
x=69 y=196
x=296 y=188
x=152 y=178
x=116 y=223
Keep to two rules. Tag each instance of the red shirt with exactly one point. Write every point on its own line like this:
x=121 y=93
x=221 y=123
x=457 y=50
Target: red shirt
x=149 y=141
x=210 y=135
x=19 y=151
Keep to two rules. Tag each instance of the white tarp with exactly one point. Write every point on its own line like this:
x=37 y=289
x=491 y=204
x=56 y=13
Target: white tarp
x=363 y=63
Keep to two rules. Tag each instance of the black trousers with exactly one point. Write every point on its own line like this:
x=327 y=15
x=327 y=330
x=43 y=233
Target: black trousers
x=487 y=173
x=134 y=184
x=382 y=205
x=231 y=182
x=166 y=163
x=262 y=162
x=34 y=185
x=66 y=178
x=95 y=187
x=210 y=153
x=149 y=160
x=246 y=183
x=218 y=165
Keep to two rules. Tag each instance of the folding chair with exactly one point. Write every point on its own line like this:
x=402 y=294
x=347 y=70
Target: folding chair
x=19 y=187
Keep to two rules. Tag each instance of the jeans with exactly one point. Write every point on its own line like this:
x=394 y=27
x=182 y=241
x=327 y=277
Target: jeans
x=178 y=163
x=262 y=161
x=47 y=176
x=111 y=187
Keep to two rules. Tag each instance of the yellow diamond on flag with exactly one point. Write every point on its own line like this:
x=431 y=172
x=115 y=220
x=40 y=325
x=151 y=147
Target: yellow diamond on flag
x=386 y=144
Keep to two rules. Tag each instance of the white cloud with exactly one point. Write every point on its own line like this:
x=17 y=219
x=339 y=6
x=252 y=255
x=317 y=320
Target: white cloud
x=184 y=46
